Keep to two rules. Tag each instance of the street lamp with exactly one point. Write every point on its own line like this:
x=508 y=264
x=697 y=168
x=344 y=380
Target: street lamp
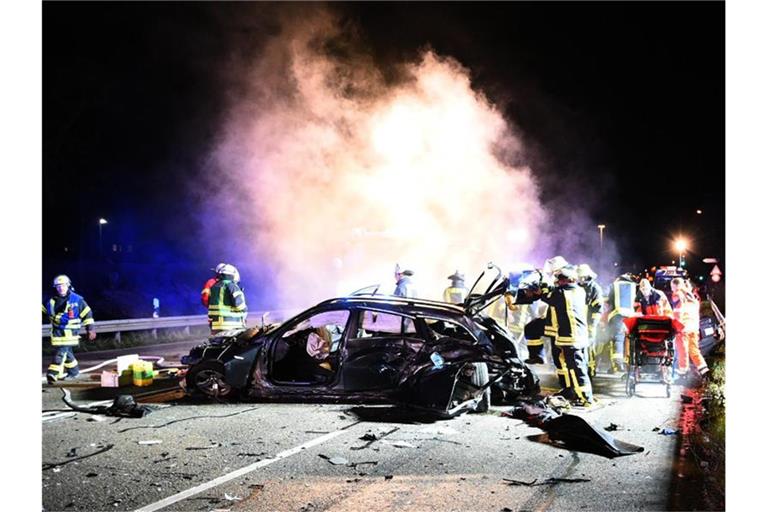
x=681 y=244
x=601 y=227
x=102 y=221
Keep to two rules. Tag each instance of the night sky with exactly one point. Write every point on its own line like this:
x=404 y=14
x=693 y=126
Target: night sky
x=621 y=107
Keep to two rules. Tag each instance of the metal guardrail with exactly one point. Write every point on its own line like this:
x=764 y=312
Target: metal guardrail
x=169 y=322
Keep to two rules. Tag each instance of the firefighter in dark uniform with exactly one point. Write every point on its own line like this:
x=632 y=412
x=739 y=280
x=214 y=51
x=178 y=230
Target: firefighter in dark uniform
x=67 y=312
x=567 y=326
x=226 y=305
x=457 y=292
x=534 y=330
x=620 y=305
x=594 y=295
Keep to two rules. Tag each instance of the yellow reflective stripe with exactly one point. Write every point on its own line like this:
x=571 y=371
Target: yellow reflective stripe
x=238 y=292
x=87 y=321
x=563 y=367
x=595 y=302
x=85 y=311
x=535 y=342
x=71 y=364
x=45 y=310
x=576 y=386
x=569 y=311
x=64 y=342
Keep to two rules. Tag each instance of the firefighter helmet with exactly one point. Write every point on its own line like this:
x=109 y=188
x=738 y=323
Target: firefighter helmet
x=456 y=276
x=229 y=271
x=567 y=272
x=552 y=265
x=62 y=279
x=402 y=270
x=219 y=267
x=585 y=272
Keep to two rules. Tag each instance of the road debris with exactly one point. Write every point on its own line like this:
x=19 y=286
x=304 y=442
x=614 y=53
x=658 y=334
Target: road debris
x=189 y=418
x=56 y=466
x=388 y=477
x=613 y=427
x=336 y=461
x=399 y=444
x=573 y=431
x=372 y=438
x=150 y=441
x=212 y=445
x=232 y=497
x=549 y=481
x=666 y=431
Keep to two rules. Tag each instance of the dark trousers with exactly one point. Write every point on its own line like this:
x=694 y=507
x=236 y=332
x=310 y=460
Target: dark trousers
x=534 y=337
x=64 y=362
x=571 y=370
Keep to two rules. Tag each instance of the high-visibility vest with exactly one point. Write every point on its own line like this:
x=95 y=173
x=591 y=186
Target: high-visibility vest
x=226 y=306
x=67 y=318
x=455 y=294
x=623 y=294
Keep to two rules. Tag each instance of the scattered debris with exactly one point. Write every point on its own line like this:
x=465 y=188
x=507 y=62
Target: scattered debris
x=72 y=453
x=124 y=406
x=190 y=418
x=370 y=436
x=91 y=474
x=213 y=445
x=56 y=469
x=151 y=441
x=548 y=481
x=388 y=477
x=97 y=417
x=375 y=438
x=613 y=427
x=666 y=431
x=317 y=432
x=336 y=461
x=355 y=464
x=352 y=480
x=56 y=466
x=232 y=498
x=243 y=454
x=399 y=444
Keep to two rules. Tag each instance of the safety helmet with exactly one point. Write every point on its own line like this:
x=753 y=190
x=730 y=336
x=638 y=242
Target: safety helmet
x=456 y=276
x=585 y=272
x=62 y=279
x=567 y=272
x=229 y=270
x=219 y=267
x=552 y=265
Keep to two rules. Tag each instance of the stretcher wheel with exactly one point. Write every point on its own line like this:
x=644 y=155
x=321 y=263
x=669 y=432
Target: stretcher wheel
x=630 y=387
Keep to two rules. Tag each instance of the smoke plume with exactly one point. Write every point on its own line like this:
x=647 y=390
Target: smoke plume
x=329 y=171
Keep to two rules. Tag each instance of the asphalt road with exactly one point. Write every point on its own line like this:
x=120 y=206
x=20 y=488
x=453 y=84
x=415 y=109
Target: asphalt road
x=307 y=457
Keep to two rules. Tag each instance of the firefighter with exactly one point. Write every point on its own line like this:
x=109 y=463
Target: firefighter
x=206 y=292
x=594 y=297
x=567 y=326
x=67 y=312
x=651 y=301
x=405 y=286
x=620 y=305
x=457 y=292
x=534 y=330
x=226 y=306
x=685 y=309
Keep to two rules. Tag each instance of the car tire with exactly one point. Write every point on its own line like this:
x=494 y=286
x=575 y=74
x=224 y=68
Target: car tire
x=207 y=378
x=480 y=378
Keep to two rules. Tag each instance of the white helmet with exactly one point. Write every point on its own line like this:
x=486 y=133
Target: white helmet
x=585 y=272
x=552 y=265
x=229 y=270
x=219 y=267
x=62 y=279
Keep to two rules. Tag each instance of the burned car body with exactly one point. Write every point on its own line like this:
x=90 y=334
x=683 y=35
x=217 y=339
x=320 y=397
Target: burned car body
x=367 y=349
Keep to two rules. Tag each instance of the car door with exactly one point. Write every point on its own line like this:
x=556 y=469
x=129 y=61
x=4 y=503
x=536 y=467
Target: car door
x=377 y=349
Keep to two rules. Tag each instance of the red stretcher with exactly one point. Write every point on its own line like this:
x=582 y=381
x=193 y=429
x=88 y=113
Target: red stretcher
x=650 y=350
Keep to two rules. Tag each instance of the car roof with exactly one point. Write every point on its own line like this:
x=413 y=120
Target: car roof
x=408 y=306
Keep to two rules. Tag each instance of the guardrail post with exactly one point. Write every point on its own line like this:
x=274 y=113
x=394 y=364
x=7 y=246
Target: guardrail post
x=117 y=337
x=154 y=333
x=186 y=330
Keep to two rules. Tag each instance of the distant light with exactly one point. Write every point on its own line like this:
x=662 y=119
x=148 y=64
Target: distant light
x=698 y=211
x=601 y=226
x=701 y=278
x=682 y=263
x=615 y=264
x=681 y=244
x=710 y=260
x=102 y=221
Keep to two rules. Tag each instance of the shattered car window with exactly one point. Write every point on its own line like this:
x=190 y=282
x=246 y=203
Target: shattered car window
x=374 y=323
x=439 y=328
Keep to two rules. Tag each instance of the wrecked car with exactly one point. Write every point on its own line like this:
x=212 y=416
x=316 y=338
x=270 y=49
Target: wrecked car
x=368 y=348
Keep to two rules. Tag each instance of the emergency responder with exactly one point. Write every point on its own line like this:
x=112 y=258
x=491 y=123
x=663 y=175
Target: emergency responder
x=206 y=292
x=226 y=306
x=620 y=305
x=67 y=312
x=651 y=301
x=685 y=309
x=457 y=292
x=567 y=326
x=534 y=330
x=405 y=286
x=594 y=297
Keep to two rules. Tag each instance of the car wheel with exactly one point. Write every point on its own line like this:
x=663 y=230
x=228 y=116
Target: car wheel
x=207 y=378
x=480 y=378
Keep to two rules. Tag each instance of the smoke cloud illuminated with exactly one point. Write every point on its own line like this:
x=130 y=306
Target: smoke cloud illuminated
x=327 y=174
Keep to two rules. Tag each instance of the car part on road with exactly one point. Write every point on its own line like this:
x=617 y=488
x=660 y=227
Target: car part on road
x=124 y=406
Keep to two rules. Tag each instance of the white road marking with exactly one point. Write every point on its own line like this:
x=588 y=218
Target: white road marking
x=237 y=473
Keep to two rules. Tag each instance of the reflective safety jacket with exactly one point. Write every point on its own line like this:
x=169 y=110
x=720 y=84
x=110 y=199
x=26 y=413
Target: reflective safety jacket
x=621 y=298
x=455 y=294
x=67 y=315
x=686 y=311
x=206 y=292
x=594 y=296
x=567 y=316
x=226 y=306
x=655 y=303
